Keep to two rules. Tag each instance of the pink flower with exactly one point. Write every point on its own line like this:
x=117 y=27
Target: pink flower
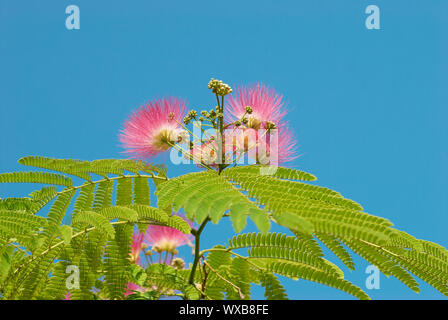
x=266 y=148
x=206 y=153
x=284 y=150
x=153 y=128
x=131 y=287
x=266 y=104
x=165 y=238
x=68 y=296
x=136 y=246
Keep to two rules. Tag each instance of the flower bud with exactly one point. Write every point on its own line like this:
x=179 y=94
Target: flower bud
x=270 y=125
x=157 y=249
x=249 y=109
x=192 y=113
x=178 y=263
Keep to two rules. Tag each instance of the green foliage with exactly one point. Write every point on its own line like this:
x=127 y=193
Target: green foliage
x=114 y=196
x=208 y=195
x=273 y=288
x=35 y=250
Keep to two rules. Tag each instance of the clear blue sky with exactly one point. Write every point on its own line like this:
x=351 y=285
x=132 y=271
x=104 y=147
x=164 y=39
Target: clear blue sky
x=369 y=106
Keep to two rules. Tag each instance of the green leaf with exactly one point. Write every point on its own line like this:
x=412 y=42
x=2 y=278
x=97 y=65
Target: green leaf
x=66 y=233
x=91 y=218
x=295 y=222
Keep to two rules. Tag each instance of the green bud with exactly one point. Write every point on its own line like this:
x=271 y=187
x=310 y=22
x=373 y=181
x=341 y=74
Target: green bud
x=192 y=113
x=178 y=263
x=270 y=125
x=249 y=109
x=219 y=88
x=148 y=253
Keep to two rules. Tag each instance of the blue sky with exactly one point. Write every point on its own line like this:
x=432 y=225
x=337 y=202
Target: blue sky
x=368 y=106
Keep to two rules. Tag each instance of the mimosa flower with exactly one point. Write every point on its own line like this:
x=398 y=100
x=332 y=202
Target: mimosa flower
x=266 y=109
x=262 y=147
x=284 y=150
x=153 y=128
x=206 y=153
x=265 y=104
x=68 y=296
x=131 y=287
x=165 y=238
x=136 y=247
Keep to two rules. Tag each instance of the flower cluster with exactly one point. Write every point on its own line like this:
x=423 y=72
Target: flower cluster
x=252 y=123
x=160 y=240
x=157 y=240
x=154 y=128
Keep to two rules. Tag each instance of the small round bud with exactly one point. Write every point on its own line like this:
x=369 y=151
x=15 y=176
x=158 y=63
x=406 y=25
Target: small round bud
x=192 y=113
x=270 y=125
x=186 y=120
x=220 y=115
x=249 y=109
x=245 y=120
x=201 y=119
x=204 y=113
x=237 y=123
x=171 y=116
x=148 y=253
x=157 y=249
x=178 y=263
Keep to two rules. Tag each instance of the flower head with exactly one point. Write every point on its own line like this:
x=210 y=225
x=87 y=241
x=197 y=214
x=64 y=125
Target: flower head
x=68 y=296
x=258 y=103
x=131 y=287
x=153 y=128
x=259 y=107
x=165 y=238
x=282 y=150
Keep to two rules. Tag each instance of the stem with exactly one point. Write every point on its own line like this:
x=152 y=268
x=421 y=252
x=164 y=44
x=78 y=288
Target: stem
x=229 y=282
x=221 y=133
x=197 y=235
x=184 y=152
x=233 y=253
x=111 y=179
